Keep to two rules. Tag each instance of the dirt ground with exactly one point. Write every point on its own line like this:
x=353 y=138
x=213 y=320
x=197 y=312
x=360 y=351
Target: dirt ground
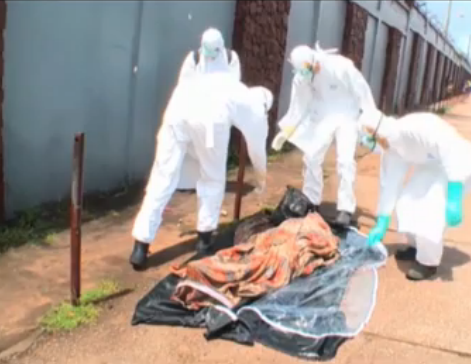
x=412 y=323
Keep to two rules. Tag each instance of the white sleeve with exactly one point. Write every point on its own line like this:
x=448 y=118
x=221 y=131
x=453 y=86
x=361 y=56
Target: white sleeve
x=452 y=153
x=235 y=66
x=253 y=125
x=188 y=68
x=359 y=87
x=392 y=174
x=298 y=105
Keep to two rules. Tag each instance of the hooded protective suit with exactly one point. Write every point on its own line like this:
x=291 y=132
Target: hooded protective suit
x=199 y=117
x=213 y=57
x=327 y=94
x=432 y=197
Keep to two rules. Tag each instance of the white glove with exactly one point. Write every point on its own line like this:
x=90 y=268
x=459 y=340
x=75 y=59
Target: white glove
x=278 y=141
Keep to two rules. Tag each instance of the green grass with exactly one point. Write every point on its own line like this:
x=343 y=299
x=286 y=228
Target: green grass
x=443 y=110
x=105 y=289
x=66 y=317
x=34 y=226
x=40 y=225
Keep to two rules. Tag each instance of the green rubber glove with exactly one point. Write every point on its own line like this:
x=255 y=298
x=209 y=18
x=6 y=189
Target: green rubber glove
x=454 y=204
x=377 y=233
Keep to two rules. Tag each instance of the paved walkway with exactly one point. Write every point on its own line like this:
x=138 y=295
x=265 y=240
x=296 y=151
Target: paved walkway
x=426 y=322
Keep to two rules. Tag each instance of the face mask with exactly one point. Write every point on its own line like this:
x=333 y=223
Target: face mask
x=304 y=73
x=209 y=52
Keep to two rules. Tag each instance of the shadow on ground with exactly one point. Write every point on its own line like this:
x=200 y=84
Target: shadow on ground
x=224 y=238
x=231 y=187
x=452 y=258
x=39 y=224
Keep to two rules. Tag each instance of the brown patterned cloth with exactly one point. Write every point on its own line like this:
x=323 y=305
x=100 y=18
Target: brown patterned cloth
x=267 y=261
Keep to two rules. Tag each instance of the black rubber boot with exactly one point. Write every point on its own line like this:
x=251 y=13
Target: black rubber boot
x=343 y=218
x=420 y=272
x=313 y=208
x=205 y=242
x=406 y=255
x=138 y=257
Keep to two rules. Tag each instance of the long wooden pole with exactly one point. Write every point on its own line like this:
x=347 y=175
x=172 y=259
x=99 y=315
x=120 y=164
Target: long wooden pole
x=240 y=175
x=76 y=219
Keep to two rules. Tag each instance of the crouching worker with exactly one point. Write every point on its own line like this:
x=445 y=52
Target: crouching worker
x=432 y=199
x=198 y=120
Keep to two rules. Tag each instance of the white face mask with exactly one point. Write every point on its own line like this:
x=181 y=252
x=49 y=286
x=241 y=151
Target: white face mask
x=305 y=73
x=209 y=52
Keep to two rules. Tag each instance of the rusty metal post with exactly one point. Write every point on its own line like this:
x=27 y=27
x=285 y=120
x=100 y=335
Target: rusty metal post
x=76 y=218
x=240 y=175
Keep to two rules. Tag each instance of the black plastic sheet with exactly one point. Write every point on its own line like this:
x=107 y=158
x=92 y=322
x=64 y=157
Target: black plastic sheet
x=310 y=318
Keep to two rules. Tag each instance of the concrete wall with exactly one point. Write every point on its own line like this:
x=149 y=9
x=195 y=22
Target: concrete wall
x=371 y=31
x=302 y=27
x=169 y=30
x=69 y=68
x=379 y=61
x=106 y=68
x=382 y=14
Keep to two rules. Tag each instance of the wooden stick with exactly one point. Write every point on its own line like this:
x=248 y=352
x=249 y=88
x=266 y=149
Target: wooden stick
x=240 y=175
x=76 y=219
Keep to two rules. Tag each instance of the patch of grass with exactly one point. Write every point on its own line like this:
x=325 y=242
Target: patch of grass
x=274 y=156
x=105 y=289
x=49 y=238
x=40 y=225
x=66 y=317
x=443 y=110
x=34 y=226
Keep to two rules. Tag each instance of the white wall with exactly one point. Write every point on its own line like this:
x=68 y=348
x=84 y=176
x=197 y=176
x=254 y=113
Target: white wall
x=325 y=20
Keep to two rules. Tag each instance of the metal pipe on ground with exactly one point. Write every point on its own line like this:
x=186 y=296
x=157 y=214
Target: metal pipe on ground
x=76 y=219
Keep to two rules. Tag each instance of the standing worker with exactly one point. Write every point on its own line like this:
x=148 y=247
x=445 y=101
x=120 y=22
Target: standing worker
x=199 y=116
x=327 y=94
x=433 y=197
x=211 y=57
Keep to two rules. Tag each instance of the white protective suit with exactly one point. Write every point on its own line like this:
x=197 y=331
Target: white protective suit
x=199 y=116
x=212 y=39
x=324 y=107
x=438 y=154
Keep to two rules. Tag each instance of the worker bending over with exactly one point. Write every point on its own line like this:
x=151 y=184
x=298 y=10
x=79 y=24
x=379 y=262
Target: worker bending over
x=199 y=117
x=432 y=199
x=327 y=94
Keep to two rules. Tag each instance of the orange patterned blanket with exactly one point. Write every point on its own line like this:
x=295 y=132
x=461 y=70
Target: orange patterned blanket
x=267 y=261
